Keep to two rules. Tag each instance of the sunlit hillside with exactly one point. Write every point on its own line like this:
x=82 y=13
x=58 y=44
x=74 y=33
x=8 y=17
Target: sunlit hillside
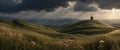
x=88 y=27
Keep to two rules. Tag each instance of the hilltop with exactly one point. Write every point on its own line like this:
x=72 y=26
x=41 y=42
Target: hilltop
x=88 y=27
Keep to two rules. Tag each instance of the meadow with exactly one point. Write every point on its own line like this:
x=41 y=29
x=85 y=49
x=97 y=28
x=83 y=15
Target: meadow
x=22 y=35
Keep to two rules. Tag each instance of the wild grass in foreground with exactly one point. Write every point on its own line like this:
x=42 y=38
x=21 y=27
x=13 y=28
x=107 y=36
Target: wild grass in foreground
x=34 y=41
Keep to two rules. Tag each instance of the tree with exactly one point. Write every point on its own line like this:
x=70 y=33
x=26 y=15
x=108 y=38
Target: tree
x=91 y=17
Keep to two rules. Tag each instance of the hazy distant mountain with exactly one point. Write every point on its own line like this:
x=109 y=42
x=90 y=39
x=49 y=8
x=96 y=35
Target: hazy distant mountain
x=112 y=22
x=42 y=21
x=56 y=22
x=7 y=18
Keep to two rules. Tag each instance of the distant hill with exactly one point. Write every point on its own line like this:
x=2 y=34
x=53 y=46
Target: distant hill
x=7 y=18
x=27 y=25
x=87 y=27
x=44 y=21
x=54 y=22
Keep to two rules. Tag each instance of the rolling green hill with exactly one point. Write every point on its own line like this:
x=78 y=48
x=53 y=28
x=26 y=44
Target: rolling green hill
x=22 y=35
x=87 y=27
x=27 y=25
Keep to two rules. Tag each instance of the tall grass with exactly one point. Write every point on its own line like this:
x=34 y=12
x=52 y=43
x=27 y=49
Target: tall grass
x=16 y=38
x=35 y=41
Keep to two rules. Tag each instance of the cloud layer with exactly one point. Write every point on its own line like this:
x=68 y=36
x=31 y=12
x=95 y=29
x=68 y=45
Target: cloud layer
x=51 y=5
x=37 y=5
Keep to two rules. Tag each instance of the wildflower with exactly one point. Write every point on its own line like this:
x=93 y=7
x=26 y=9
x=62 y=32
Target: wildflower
x=101 y=41
x=101 y=45
x=79 y=46
x=70 y=40
x=33 y=42
x=10 y=34
x=66 y=45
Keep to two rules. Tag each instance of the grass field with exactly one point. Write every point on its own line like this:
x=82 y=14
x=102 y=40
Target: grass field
x=22 y=35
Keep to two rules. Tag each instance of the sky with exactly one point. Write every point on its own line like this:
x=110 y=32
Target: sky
x=56 y=9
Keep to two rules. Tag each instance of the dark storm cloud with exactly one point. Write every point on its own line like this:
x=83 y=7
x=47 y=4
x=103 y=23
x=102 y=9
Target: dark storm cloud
x=109 y=4
x=105 y=4
x=7 y=6
x=50 y=5
x=84 y=7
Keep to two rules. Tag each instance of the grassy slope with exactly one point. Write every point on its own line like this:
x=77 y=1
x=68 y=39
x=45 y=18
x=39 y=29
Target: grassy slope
x=88 y=27
x=29 y=26
x=13 y=37
x=22 y=38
